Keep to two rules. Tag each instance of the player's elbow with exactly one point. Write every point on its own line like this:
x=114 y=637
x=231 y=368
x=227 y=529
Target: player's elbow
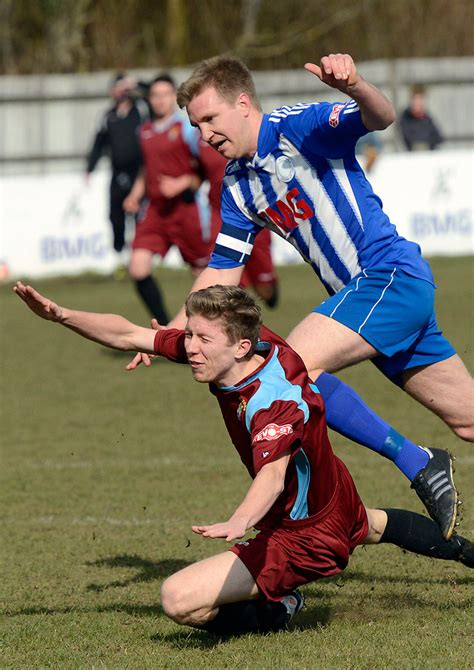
x=389 y=117
x=382 y=119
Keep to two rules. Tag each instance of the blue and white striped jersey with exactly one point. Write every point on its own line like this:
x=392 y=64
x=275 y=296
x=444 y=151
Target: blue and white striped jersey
x=305 y=184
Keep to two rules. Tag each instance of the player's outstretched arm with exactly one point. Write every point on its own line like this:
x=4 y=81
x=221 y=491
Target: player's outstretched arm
x=265 y=489
x=339 y=71
x=110 y=330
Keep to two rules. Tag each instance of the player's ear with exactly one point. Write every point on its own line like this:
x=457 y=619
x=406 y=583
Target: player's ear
x=243 y=348
x=244 y=103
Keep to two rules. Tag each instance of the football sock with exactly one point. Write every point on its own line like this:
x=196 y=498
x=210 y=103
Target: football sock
x=415 y=532
x=347 y=413
x=150 y=293
x=249 y=616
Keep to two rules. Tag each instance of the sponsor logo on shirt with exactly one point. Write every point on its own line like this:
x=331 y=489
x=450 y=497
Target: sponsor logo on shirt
x=272 y=432
x=334 y=116
x=287 y=214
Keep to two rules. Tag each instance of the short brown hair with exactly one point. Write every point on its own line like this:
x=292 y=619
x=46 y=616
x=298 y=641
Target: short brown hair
x=228 y=75
x=240 y=315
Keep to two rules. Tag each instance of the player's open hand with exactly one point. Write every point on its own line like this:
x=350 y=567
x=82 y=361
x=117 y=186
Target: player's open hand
x=229 y=530
x=336 y=70
x=43 y=307
x=142 y=357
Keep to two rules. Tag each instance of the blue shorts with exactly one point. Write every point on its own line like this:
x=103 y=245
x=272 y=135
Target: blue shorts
x=394 y=312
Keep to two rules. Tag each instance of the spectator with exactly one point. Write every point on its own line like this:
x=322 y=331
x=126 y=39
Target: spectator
x=418 y=130
x=117 y=136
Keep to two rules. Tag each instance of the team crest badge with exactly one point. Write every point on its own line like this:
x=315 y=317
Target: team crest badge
x=173 y=134
x=284 y=168
x=241 y=408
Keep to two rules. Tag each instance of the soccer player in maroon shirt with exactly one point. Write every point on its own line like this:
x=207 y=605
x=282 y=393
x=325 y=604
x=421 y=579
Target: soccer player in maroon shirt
x=302 y=499
x=169 y=180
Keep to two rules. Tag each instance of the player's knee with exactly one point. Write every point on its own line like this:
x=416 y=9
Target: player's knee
x=138 y=272
x=173 y=601
x=140 y=265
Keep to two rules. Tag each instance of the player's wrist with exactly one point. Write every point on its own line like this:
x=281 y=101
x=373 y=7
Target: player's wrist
x=357 y=88
x=242 y=522
x=62 y=315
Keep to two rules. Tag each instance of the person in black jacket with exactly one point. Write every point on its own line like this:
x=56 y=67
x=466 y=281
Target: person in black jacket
x=418 y=129
x=117 y=136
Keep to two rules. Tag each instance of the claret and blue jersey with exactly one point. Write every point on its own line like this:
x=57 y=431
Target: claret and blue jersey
x=306 y=185
x=273 y=410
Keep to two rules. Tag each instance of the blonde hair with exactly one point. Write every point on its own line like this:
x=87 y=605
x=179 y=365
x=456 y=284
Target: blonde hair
x=228 y=75
x=240 y=315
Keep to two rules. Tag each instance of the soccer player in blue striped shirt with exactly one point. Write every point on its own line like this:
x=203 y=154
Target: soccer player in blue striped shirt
x=294 y=171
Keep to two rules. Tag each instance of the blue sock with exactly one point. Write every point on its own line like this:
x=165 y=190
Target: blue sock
x=346 y=413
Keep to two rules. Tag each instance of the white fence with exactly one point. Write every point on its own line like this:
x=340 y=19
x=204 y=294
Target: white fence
x=47 y=122
x=56 y=225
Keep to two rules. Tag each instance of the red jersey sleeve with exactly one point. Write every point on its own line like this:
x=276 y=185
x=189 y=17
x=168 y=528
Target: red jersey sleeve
x=274 y=430
x=169 y=343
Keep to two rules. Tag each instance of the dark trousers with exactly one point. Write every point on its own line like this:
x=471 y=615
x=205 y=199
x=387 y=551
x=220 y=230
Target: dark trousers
x=120 y=187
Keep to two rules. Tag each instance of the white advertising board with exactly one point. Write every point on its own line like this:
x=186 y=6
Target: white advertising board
x=429 y=196
x=56 y=225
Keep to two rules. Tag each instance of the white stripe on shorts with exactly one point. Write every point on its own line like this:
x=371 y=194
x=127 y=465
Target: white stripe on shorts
x=347 y=293
x=379 y=300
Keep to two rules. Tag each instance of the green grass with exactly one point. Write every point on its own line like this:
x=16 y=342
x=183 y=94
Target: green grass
x=103 y=473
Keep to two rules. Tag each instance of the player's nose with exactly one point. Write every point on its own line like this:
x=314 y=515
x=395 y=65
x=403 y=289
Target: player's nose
x=206 y=134
x=191 y=345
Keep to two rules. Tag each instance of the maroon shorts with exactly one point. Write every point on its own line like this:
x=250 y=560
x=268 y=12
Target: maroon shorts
x=178 y=224
x=302 y=551
x=259 y=268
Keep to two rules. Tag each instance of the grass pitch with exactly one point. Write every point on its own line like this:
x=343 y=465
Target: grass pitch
x=104 y=472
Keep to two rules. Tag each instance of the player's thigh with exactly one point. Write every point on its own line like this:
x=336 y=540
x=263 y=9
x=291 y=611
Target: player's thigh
x=208 y=584
x=447 y=388
x=141 y=263
x=325 y=344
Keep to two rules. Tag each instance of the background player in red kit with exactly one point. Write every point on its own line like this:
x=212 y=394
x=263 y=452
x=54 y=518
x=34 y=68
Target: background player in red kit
x=169 y=179
x=259 y=271
x=302 y=498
